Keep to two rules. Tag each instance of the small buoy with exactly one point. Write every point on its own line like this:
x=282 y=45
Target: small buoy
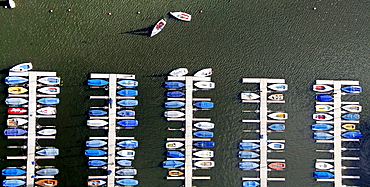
x=51 y=10
x=314 y=8
x=138 y=12
x=109 y=13
x=69 y=10
x=5 y=6
x=201 y=11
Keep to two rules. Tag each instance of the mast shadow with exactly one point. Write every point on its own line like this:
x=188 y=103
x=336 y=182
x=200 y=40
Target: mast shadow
x=141 y=32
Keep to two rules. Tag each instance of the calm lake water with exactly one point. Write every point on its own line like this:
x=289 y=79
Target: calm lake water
x=237 y=38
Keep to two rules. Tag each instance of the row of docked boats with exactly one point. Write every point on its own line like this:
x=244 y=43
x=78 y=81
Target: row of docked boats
x=175 y=149
x=17 y=123
x=98 y=148
x=324 y=125
x=249 y=150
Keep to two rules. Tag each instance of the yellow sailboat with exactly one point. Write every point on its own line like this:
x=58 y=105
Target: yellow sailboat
x=349 y=126
x=17 y=90
x=324 y=108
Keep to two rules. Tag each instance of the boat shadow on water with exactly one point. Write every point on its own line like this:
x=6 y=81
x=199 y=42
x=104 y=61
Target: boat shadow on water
x=141 y=32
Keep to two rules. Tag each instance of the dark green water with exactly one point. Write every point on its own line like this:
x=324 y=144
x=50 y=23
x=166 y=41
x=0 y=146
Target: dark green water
x=237 y=38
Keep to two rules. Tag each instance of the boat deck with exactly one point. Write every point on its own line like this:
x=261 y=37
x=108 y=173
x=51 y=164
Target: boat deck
x=263 y=141
x=189 y=82
x=112 y=136
x=31 y=131
x=337 y=123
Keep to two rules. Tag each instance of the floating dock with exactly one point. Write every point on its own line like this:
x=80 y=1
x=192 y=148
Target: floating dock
x=188 y=121
x=263 y=141
x=31 y=126
x=112 y=126
x=337 y=130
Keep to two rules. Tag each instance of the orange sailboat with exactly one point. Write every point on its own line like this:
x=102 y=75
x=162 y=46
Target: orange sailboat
x=277 y=165
x=47 y=182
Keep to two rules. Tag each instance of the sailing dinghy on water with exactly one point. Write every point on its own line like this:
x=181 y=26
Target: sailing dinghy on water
x=179 y=72
x=204 y=125
x=49 y=90
x=128 y=144
x=323 y=166
x=96 y=143
x=97 y=82
x=352 y=89
x=249 y=96
x=321 y=127
x=16 y=121
x=324 y=97
x=248 y=165
x=128 y=83
x=49 y=101
x=48 y=152
x=175 y=94
x=96 y=123
x=47 y=132
x=14 y=132
x=23 y=67
x=127 y=172
x=248 y=145
x=158 y=27
x=173 y=114
x=322 y=88
x=124 y=162
x=173 y=85
x=205 y=85
x=247 y=154
x=12 y=172
x=49 y=80
x=204 y=154
x=128 y=93
x=13 y=182
x=15 y=80
x=352 y=108
x=17 y=90
x=47 y=111
x=183 y=16
x=128 y=182
x=48 y=172
x=203 y=134
x=15 y=101
x=322 y=117
x=128 y=102
x=278 y=87
x=204 y=72
x=126 y=113
x=175 y=154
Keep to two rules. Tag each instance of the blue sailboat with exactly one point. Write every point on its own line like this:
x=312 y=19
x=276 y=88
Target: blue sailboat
x=174 y=104
x=126 y=113
x=128 y=182
x=128 y=102
x=128 y=144
x=247 y=154
x=95 y=143
x=175 y=154
x=49 y=101
x=14 y=132
x=323 y=175
x=97 y=163
x=15 y=80
x=352 y=89
x=248 y=165
x=13 y=182
x=250 y=184
x=128 y=93
x=351 y=116
x=172 y=164
x=12 y=172
x=15 y=101
x=97 y=112
x=97 y=82
x=324 y=97
x=128 y=123
x=124 y=162
x=322 y=136
x=204 y=144
x=127 y=172
x=175 y=94
x=128 y=83
x=248 y=145
x=174 y=84
x=203 y=134
x=204 y=104
x=321 y=127
x=277 y=127
x=48 y=172
x=94 y=152
x=352 y=135
x=48 y=152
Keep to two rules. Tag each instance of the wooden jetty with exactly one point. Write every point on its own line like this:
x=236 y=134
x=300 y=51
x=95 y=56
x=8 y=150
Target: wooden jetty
x=263 y=141
x=31 y=127
x=337 y=123
x=112 y=126
x=189 y=119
